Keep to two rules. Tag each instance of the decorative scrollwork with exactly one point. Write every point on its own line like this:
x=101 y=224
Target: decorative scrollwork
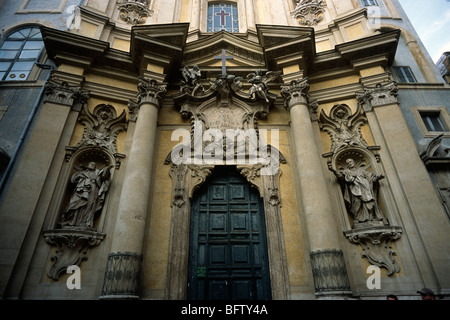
x=134 y=11
x=308 y=12
x=71 y=247
x=376 y=245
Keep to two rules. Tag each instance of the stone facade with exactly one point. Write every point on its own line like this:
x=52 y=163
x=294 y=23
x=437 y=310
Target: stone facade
x=338 y=148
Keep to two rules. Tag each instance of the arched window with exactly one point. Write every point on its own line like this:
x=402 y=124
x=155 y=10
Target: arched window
x=19 y=52
x=222 y=16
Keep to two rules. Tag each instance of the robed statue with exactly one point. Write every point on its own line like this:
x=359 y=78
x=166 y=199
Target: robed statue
x=88 y=197
x=360 y=194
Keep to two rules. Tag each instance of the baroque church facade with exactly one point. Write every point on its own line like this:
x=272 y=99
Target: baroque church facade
x=195 y=149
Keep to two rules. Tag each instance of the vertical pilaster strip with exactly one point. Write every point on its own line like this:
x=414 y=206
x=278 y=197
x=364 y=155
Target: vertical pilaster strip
x=322 y=233
x=134 y=199
x=52 y=120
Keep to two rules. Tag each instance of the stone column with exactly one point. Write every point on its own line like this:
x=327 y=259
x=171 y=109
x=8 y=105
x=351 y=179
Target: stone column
x=329 y=271
x=124 y=262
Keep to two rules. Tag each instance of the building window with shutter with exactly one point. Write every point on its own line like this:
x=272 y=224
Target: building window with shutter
x=405 y=74
x=19 y=53
x=433 y=121
x=223 y=16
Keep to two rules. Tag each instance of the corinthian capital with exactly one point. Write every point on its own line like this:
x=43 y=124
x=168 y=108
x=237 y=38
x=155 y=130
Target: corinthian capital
x=296 y=93
x=63 y=93
x=381 y=94
x=150 y=91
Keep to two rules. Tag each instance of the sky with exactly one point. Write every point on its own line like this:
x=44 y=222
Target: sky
x=431 y=20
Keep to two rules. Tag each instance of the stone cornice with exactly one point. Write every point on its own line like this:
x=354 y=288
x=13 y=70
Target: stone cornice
x=245 y=52
x=159 y=44
x=57 y=41
x=281 y=42
x=383 y=46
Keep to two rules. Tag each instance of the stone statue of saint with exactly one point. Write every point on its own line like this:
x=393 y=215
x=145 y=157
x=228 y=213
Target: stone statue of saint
x=359 y=192
x=88 y=196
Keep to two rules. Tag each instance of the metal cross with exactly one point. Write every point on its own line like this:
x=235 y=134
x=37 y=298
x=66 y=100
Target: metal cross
x=224 y=59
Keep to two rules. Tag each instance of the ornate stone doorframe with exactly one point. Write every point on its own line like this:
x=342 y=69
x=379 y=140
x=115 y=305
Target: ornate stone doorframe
x=221 y=107
x=186 y=178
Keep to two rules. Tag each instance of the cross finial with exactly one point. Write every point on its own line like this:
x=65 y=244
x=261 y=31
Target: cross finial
x=224 y=59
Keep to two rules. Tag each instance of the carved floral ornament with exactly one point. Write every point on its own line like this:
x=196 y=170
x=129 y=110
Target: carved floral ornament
x=353 y=163
x=134 y=12
x=65 y=94
x=308 y=12
x=378 y=95
x=149 y=91
x=297 y=93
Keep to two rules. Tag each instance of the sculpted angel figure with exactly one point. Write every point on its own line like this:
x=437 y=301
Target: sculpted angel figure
x=359 y=192
x=259 y=83
x=343 y=127
x=88 y=196
x=191 y=78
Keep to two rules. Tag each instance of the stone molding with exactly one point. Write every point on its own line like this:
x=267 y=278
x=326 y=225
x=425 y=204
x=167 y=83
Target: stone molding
x=376 y=243
x=343 y=127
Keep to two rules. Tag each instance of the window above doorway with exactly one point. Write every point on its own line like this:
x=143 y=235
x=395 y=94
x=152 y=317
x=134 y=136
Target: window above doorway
x=222 y=16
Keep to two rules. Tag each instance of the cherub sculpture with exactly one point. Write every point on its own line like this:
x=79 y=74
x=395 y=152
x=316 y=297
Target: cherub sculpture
x=191 y=78
x=259 y=88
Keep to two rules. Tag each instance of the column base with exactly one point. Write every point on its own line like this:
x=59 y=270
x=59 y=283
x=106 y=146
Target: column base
x=122 y=276
x=330 y=273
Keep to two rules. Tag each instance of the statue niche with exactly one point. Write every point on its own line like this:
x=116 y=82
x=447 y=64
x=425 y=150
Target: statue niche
x=88 y=174
x=91 y=185
x=354 y=165
x=360 y=189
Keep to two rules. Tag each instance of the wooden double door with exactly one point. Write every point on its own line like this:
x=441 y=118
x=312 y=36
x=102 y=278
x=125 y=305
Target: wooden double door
x=228 y=249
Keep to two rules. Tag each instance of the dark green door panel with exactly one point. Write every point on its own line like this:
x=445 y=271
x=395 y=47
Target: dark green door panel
x=228 y=251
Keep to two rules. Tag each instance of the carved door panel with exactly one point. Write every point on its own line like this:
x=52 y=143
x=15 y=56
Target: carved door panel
x=228 y=251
